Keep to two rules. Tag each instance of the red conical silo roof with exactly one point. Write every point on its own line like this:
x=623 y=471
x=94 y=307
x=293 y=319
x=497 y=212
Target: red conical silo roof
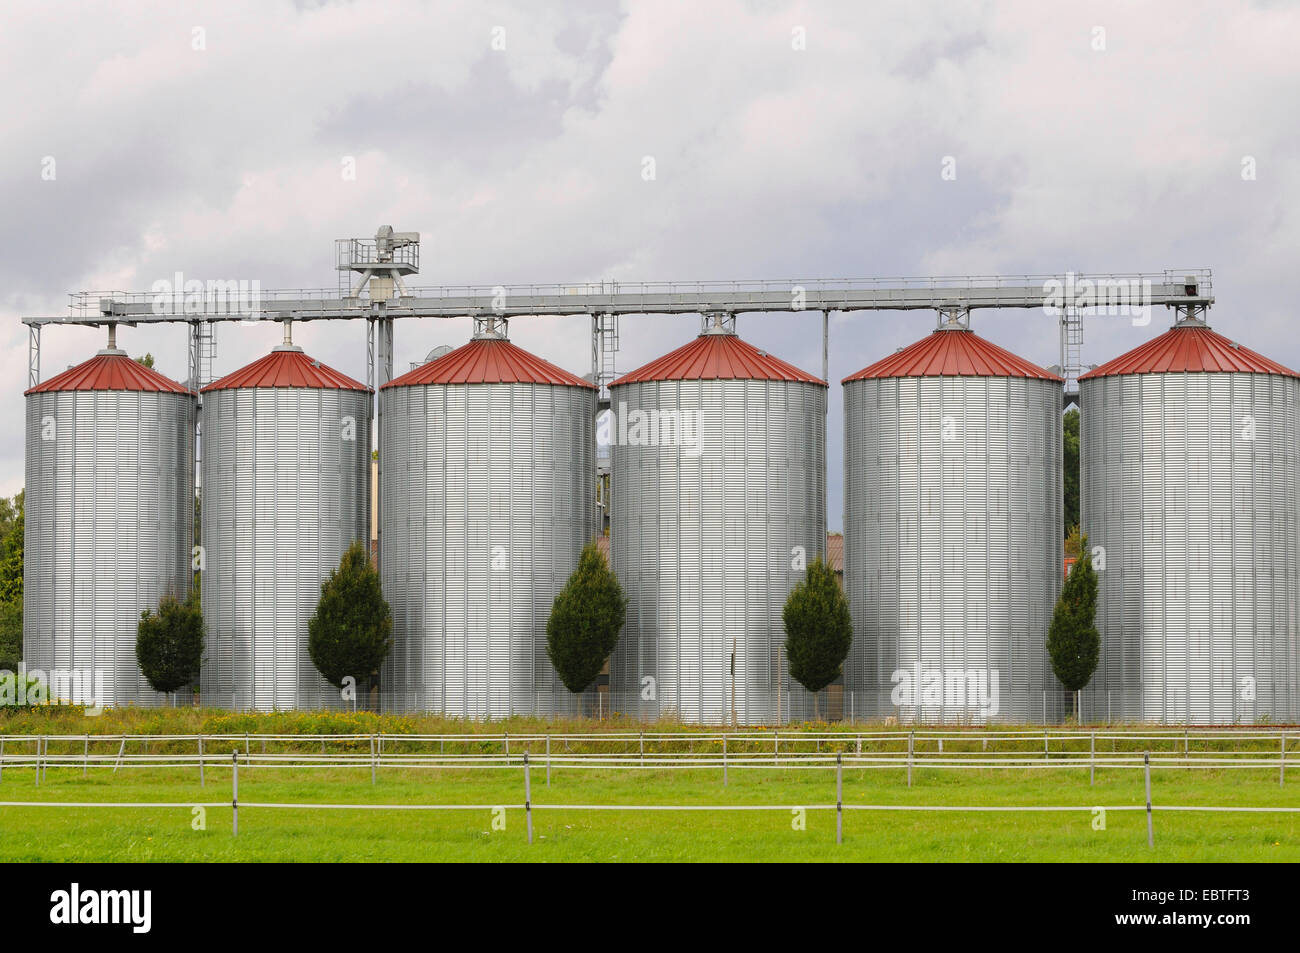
x=718 y=356
x=489 y=360
x=286 y=367
x=952 y=352
x=110 y=370
x=1190 y=347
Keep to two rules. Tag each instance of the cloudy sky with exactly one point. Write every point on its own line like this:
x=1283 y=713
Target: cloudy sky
x=790 y=141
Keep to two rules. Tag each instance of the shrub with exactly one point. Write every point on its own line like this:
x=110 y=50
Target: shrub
x=1073 y=642
x=818 y=629
x=169 y=643
x=585 y=621
x=351 y=631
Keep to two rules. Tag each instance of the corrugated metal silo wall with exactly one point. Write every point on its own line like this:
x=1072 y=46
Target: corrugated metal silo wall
x=109 y=530
x=286 y=484
x=703 y=543
x=1191 y=485
x=953 y=546
x=487 y=499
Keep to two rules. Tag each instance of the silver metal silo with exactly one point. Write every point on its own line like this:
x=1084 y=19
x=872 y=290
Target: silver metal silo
x=953 y=533
x=1190 y=490
x=710 y=533
x=286 y=484
x=487 y=487
x=109 y=523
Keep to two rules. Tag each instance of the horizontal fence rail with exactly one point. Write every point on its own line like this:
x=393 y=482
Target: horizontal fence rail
x=1027 y=749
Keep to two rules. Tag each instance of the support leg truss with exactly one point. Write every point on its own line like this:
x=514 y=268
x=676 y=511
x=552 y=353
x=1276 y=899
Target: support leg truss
x=33 y=355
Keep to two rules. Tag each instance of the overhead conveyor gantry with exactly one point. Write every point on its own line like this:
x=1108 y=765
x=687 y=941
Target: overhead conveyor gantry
x=371 y=287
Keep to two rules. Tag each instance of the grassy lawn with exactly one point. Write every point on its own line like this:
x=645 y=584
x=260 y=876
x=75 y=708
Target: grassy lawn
x=147 y=834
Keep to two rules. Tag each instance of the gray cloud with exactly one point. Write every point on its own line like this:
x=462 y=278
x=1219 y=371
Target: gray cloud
x=524 y=164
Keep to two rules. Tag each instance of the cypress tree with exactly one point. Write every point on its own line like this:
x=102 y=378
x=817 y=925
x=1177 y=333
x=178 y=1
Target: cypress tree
x=350 y=633
x=585 y=621
x=818 y=629
x=1073 y=642
x=169 y=643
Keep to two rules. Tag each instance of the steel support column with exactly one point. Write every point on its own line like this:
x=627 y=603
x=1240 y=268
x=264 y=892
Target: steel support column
x=379 y=371
x=826 y=344
x=33 y=355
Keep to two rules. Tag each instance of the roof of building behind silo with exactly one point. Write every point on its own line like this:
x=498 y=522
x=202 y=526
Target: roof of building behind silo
x=110 y=370
x=953 y=352
x=286 y=367
x=489 y=360
x=1189 y=347
x=714 y=356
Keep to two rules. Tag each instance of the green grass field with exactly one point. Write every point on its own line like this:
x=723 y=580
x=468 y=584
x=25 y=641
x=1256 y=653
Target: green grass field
x=272 y=834
x=167 y=834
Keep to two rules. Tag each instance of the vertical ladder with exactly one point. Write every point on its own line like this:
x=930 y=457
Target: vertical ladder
x=604 y=351
x=203 y=351
x=1071 y=347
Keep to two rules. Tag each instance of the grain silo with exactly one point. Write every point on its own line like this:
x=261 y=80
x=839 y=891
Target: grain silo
x=952 y=532
x=718 y=459
x=487 y=477
x=109 y=522
x=1190 y=490
x=285 y=467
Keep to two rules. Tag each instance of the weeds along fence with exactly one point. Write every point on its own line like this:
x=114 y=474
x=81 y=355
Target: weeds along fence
x=1174 y=749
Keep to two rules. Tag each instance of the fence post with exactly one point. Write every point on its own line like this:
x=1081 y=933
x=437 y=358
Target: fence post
x=724 y=760
x=85 y=763
x=839 y=798
x=548 y=760
x=1092 y=758
x=200 y=761
x=121 y=750
x=234 y=790
x=507 y=740
x=2 y=758
x=39 y=740
x=372 y=759
x=641 y=744
x=528 y=800
x=776 y=746
x=1044 y=744
x=1146 y=762
x=911 y=746
x=1281 y=771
